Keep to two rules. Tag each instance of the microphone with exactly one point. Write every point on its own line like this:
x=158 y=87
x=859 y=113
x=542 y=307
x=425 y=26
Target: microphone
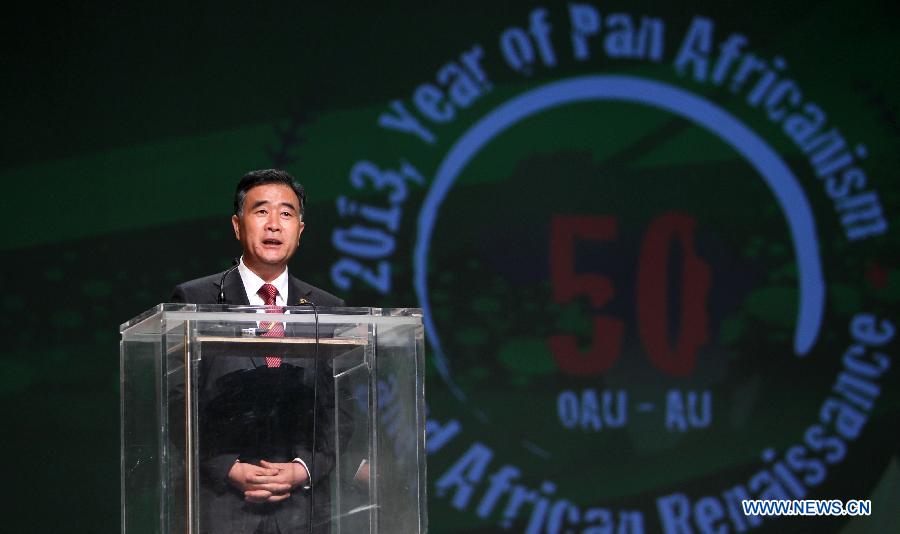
x=221 y=298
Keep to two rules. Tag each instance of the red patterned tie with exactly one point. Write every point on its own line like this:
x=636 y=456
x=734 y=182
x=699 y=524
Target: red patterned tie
x=275 y=328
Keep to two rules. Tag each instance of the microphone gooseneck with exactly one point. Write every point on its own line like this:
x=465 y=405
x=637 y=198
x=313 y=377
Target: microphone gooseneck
x=221 y=298
x=312 y=493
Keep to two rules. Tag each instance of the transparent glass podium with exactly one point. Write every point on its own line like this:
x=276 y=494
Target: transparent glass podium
x=205 y=388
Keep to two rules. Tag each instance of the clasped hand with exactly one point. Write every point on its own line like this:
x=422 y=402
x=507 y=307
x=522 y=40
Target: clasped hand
x=267 y=482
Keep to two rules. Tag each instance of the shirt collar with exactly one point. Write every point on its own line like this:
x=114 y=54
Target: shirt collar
x=252 y=283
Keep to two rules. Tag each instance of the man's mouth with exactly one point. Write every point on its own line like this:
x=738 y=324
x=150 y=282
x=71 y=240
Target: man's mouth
x=272 y=242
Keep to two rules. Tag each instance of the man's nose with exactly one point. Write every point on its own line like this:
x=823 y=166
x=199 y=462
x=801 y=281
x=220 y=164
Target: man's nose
x=273 y=223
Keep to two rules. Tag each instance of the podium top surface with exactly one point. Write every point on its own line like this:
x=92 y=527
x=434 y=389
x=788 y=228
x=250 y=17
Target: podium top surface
x=290 y=314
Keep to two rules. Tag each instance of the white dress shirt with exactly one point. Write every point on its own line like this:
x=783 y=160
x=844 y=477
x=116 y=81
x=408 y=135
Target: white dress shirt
x=252 y=284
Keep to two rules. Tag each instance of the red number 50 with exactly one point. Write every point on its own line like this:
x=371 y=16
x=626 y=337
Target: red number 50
x=651 y=294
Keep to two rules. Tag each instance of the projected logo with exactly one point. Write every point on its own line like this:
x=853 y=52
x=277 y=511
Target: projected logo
x=623 y=284
x=566 y=229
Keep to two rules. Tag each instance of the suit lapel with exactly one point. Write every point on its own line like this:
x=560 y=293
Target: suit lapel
x=237 y=295
x=297 y=290
x=234 y=289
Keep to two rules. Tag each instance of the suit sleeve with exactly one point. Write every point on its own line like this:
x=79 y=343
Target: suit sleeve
x=319 y=452
x=214 y=461
x=213 y=469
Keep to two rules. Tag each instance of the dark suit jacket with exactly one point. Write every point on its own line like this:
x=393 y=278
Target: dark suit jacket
x=206 y=291
x=238 y=400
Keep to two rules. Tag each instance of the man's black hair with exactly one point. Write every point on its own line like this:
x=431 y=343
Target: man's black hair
x=267 y=176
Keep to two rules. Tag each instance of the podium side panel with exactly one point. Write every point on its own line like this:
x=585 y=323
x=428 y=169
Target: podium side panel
x=141 y=376
x=351 y=505
x=399 y=426
x=176 y=429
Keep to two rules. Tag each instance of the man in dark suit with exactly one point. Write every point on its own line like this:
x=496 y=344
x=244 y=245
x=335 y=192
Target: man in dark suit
x=258 y=459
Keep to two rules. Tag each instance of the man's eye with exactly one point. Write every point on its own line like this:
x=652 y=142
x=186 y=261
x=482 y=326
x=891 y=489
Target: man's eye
x=262 y=212
x=286 y=214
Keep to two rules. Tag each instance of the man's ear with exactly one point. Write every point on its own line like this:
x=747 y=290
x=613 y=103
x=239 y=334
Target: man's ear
x=300 y=231
x=237 y=227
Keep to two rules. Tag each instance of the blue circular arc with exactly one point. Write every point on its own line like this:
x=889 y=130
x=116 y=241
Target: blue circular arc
x=776 y=174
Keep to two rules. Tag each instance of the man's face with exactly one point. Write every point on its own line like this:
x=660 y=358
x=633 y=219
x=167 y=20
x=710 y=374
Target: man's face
x=269 y=227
